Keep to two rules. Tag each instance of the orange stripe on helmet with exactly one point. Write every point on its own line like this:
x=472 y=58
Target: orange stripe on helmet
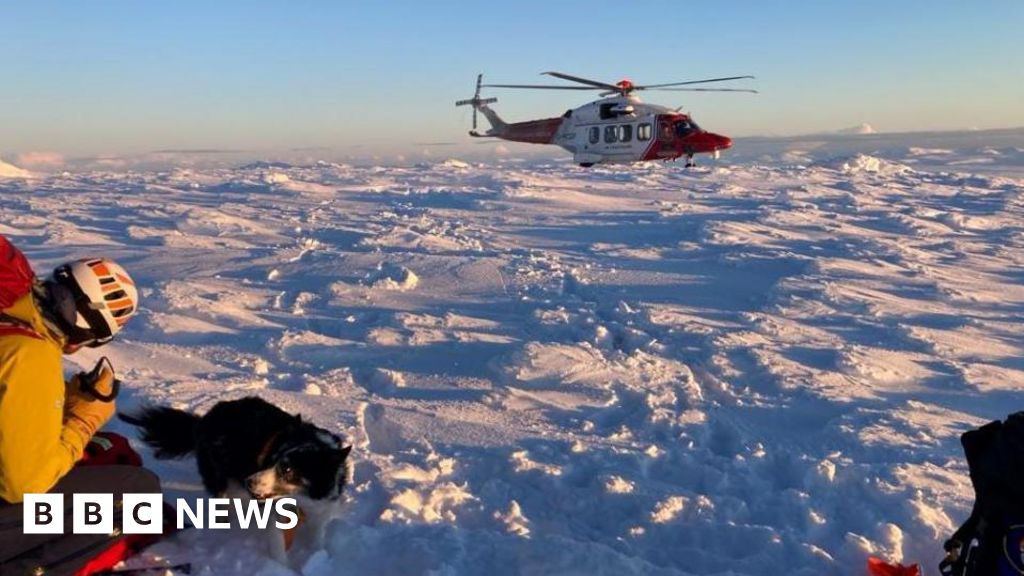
x=120 y=304
x=100 y=268
x=124 y=279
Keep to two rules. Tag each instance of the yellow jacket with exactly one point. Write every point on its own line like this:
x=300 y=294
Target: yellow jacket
x=38 y=445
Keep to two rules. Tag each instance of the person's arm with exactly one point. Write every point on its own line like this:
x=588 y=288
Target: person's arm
x=37 y=444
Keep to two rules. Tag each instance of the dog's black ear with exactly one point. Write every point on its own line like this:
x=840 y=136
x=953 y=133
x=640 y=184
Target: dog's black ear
x=298 y=417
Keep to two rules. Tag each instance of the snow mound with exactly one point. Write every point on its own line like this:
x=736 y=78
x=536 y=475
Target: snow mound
x=921 y=151
x=12 y=171
x=863 y=163
x=275 y=178
x=453 y=163
x=386 y=381
x=389 y=276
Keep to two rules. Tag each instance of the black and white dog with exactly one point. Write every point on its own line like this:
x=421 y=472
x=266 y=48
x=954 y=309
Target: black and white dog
x=250 y=445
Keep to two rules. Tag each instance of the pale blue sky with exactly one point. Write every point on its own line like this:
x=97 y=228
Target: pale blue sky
x=124 y=77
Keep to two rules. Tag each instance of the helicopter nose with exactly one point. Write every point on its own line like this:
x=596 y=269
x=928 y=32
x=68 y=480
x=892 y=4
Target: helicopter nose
x=706 y=142
x=721 y=142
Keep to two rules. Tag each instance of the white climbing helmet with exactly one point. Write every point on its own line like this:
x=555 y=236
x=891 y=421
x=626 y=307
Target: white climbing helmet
x=104 y=298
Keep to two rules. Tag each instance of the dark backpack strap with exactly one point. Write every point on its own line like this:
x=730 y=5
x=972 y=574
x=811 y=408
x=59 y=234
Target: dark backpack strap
x=969 y=548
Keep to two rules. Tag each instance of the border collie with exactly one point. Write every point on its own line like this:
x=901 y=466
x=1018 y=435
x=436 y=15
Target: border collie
x=251 y=445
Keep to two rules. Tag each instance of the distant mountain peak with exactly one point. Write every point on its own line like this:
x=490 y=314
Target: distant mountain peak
x=864 y=128
x=265 y=165
x=12 y=171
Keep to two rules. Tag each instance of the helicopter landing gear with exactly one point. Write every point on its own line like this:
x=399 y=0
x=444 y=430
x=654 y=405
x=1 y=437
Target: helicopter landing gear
x=689 y=161
x=586 y=164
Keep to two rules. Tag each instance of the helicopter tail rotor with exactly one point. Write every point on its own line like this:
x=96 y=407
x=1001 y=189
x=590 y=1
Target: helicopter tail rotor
x=476 y=101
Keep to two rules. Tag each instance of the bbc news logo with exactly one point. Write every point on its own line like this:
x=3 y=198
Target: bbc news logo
x=143 y=513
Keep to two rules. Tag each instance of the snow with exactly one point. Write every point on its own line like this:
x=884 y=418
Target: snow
x=758 y=366
x=275 y=178
x=865 y=163
x=389 y=276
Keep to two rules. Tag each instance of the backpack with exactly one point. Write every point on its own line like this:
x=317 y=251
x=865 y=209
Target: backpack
x=991 y=541
x=16 y=276
x=16 y=280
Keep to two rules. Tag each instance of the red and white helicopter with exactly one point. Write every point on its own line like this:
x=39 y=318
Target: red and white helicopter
x=616 y=129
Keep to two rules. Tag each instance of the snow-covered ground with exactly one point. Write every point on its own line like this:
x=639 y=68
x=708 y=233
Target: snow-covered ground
x=761 y=366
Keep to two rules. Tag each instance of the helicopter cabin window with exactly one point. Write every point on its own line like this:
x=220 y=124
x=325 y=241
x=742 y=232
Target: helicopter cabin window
x=611 y=134
x=595 y=135
x=626 y=133
x=643 y=131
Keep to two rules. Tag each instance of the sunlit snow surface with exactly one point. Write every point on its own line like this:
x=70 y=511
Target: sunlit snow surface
x=747 y=368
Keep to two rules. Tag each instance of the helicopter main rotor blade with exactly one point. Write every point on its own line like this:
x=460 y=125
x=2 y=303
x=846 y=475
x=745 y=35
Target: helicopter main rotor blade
x=647 y=86
x=586 y=81
x=707 y=90
x=541 y=87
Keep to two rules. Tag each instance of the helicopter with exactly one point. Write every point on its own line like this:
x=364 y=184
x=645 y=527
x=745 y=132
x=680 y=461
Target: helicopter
x=616 y=129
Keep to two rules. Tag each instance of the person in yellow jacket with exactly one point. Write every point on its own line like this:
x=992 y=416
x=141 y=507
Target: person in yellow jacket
x=45 y=422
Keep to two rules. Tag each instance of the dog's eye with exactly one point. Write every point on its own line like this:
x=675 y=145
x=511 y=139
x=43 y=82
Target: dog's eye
x=286 y=469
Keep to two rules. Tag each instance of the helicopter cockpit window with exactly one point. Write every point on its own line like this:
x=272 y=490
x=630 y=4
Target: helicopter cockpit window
x=611 y=134
x=625 y=133
x=595 y=135
x=643 y=131
x=685 y=127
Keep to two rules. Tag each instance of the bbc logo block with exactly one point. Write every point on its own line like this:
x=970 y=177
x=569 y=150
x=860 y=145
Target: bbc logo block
x=93 y=514
x=43 y=514
x=143 y=514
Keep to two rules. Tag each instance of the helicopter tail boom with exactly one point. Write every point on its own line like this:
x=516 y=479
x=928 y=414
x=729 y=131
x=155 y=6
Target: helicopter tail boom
x=533 y=131
x=497 y=124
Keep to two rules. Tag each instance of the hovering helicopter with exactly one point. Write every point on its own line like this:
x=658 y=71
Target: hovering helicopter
x=616 y=129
